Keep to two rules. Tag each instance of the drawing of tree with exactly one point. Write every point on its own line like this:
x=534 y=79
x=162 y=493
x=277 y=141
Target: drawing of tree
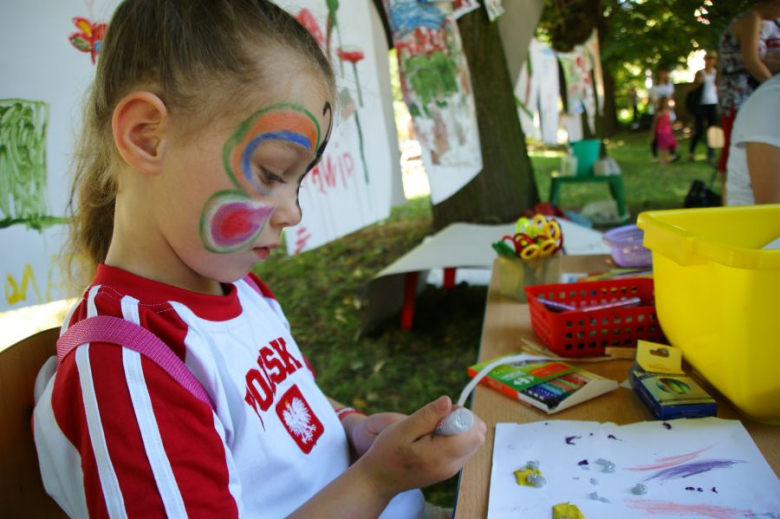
x=23 y=172
x=298 y=420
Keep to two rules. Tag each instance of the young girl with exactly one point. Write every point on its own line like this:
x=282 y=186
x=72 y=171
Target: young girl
x=662 y=131
x=203 y=119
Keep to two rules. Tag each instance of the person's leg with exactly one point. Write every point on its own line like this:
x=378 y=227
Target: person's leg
x=698 y=130
x=710 y=113
x=654 y=148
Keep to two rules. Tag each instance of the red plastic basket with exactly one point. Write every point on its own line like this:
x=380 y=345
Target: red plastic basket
x=577 y=333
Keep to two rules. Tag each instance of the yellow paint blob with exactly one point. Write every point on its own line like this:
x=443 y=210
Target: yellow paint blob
x=567 y=511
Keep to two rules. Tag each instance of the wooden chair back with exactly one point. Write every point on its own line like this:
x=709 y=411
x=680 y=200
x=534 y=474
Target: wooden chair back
x=21 y=488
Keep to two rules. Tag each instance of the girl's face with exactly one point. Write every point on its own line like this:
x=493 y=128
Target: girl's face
x=233 y=188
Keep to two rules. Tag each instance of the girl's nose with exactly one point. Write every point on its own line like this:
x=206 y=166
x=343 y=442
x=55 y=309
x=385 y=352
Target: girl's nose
x=288 y=212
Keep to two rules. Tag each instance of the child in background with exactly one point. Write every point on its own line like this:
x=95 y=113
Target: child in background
x=202 y=122
x=662 y=131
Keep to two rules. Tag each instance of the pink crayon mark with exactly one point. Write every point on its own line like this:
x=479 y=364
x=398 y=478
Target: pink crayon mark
x=303 y=237
x=665 y=508
x=670 y=461
x=237 y=222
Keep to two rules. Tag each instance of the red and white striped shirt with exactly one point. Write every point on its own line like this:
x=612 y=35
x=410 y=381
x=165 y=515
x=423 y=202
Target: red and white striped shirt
x=118 y=437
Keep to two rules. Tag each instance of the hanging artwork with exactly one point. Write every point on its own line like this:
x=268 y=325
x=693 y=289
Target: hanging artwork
x=537 y=93
x=495 y=8
x=461 y=7
x=351 y=187
x=581 y=98
x=437 y=89
x=90 y=36
x=592 y=52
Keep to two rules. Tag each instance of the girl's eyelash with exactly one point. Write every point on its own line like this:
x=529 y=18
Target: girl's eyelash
x=271 y=177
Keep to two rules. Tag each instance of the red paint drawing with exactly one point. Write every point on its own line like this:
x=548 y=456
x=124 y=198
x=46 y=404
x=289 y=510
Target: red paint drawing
x=90 y=37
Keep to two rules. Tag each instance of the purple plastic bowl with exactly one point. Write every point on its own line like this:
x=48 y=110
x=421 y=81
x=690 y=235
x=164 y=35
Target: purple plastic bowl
x=626 y=245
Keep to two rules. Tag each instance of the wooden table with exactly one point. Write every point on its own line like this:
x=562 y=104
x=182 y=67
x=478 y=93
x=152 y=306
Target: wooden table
x=506 y=323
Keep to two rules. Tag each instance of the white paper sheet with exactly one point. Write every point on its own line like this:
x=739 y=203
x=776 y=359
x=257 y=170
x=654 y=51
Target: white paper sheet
x=705 y=467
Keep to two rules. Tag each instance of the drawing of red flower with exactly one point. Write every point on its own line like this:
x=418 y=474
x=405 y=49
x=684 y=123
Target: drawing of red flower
x=90 y=38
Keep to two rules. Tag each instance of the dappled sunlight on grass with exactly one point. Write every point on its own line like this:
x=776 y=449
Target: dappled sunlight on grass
x=647 y=185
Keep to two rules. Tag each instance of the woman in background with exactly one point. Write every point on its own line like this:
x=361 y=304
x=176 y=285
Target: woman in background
x=746 y=61
x=706 y=111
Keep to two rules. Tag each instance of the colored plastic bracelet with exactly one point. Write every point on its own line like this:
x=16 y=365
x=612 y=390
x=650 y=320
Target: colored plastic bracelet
x=346 y=411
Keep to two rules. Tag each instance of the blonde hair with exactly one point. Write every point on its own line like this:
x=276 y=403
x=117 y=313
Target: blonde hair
x=200 y=57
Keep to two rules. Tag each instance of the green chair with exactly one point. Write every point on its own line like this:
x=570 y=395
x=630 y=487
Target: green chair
x=587 y=153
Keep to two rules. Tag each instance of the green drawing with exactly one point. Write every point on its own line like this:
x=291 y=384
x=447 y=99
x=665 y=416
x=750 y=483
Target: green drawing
x=23 y=126
x=432 y=77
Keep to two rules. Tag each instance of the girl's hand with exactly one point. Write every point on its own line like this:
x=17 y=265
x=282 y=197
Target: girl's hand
x=363 y=433
x=406 y=454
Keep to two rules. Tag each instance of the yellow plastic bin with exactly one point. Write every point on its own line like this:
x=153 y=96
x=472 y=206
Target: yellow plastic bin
x=717 y=293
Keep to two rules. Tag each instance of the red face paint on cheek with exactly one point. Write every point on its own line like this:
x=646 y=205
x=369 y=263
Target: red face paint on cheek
x=231 y=222
x=236 y=223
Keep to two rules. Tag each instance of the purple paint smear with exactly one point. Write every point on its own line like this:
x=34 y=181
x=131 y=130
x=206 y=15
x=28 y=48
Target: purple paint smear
x=691 y=469
x=570 y=439
x=583 y=463
x=667 y=426
x=612 y=437
x=715 y=490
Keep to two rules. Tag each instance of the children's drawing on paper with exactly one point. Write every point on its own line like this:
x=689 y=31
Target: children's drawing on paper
x=461 y=7
x=345 y=190
x=436 y=86
x=705 y=468
x=23 y=180
x=581 y=98
x=495 y=8
x=89 y=39
x=16 y=288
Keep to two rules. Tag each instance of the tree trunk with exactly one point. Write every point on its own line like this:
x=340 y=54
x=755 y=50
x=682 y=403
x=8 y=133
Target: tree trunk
x=609 y=121
x=506 y=186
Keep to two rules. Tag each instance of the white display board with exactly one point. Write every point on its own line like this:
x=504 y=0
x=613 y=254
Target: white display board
x=353 y=185
x=44 y=77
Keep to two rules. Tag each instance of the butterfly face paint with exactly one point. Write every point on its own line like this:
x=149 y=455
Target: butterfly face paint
x=232 y=220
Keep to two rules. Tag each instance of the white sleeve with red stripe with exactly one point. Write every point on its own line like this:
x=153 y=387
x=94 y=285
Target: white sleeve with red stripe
x=120 y=438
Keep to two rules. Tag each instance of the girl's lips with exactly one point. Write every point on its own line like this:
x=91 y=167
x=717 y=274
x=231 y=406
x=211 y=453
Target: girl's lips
x=262 y=252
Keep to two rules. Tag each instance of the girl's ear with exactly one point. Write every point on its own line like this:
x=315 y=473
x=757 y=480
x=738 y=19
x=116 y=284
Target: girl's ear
x=141 y=125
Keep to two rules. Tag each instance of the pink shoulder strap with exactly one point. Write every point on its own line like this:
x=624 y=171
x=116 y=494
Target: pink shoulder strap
x=251 y=282
x=115 y=330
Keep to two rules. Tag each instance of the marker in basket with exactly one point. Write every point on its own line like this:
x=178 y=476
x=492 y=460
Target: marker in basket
x=555 y=306
x=623 y=303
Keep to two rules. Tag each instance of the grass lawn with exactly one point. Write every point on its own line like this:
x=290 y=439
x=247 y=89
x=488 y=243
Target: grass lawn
x=389 y=370
x=647 y=185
